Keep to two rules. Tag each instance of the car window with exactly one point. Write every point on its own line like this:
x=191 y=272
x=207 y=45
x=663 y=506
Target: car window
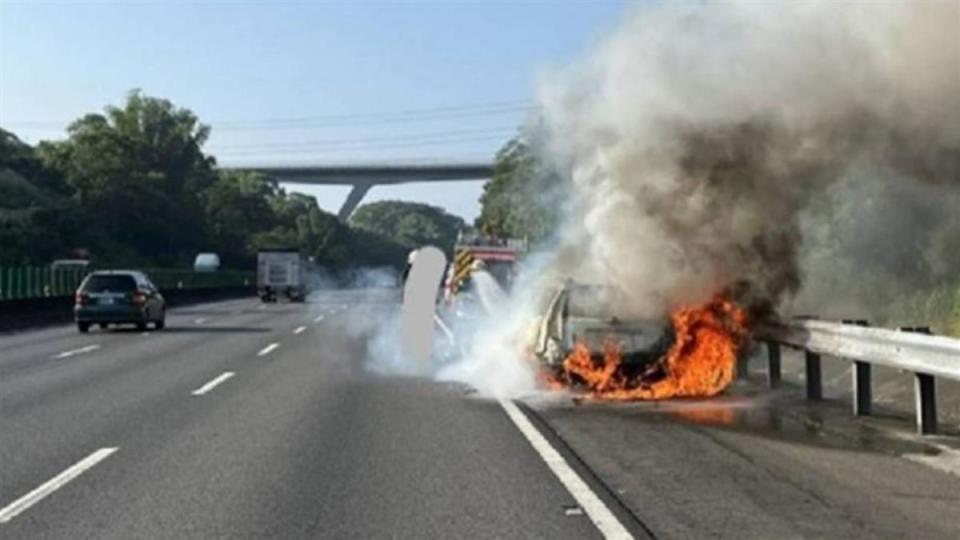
x=584 y=301
x=141 y=281
x=113 y=283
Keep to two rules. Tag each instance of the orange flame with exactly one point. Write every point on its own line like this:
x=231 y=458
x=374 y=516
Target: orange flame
x=700 y=363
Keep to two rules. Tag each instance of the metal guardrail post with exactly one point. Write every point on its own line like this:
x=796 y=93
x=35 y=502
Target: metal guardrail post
x=743 y=361
x=862 y=380
x=814 y=376
x=862 y=391
x=773 y=364
x=906 y=349
x=925 y=392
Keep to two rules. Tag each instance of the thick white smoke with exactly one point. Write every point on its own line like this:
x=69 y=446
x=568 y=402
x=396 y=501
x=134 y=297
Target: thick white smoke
x=698 y=136
x=705 y=142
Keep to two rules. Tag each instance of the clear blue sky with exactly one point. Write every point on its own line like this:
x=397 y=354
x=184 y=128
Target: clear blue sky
x=247 y=67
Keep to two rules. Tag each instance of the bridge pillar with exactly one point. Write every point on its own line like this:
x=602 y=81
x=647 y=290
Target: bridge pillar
x=814 y=377
x=353 y=200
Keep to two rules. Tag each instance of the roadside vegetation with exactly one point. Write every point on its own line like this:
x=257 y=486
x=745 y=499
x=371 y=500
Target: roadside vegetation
x=132 y=186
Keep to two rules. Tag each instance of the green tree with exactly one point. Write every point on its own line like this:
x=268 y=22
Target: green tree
x=139 y=173
x=523 y=198
x=37 y=219
x=409 y=224
x=237 y=208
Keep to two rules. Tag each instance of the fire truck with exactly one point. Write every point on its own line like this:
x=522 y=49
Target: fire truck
x=474 y=251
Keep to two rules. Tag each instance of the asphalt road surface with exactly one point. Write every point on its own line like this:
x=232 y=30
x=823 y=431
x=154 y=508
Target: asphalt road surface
x=243 y=420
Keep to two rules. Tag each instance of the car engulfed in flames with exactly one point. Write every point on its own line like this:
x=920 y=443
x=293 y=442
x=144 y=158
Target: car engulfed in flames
x=693 y=353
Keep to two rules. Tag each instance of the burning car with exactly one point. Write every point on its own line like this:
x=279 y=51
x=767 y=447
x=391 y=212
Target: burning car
x=582 y=346
x=574 y=315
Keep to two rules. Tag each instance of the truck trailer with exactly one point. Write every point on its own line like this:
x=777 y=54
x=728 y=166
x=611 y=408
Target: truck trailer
x=281 y=272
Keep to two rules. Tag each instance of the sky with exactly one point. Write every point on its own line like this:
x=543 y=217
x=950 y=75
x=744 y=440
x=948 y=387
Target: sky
x=302 y=82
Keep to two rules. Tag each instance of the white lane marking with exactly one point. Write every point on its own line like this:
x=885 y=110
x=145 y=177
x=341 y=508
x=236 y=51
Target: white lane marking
x=144 y=333
x=268 y=349
x=596 y=510
x=201 y=320
x=318 y=319
x=13 y=509
x=74 y=352
x=213 y=384
x=299 y=329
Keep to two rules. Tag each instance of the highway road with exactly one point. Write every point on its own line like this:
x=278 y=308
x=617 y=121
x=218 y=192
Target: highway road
x=243 y=420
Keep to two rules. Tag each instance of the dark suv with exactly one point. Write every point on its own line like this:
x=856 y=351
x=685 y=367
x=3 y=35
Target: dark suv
x=118 y=297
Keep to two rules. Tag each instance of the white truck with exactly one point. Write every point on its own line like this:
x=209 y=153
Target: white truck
x=281 y=272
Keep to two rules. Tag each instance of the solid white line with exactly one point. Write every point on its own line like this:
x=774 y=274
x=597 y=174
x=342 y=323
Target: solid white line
x=318 y=319
x=74 y=352
x=599 y=514
x=299 y=329
x=268 y=349
x=13 y=509
x=213 y=384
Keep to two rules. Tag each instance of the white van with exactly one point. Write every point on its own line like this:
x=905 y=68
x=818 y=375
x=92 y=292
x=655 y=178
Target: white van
x=206 y=262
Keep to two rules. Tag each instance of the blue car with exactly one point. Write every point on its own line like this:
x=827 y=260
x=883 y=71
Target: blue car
x=118 y=297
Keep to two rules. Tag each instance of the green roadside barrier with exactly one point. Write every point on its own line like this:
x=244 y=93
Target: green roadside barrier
x=25 y=282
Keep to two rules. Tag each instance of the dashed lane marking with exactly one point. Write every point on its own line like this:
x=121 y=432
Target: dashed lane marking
x=13 y=509
x=299 y=329
x=268 y=349
x=213 y=384
x=74 y=352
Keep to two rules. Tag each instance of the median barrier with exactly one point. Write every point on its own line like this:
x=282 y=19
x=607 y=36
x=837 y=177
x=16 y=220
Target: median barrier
x=35 y=312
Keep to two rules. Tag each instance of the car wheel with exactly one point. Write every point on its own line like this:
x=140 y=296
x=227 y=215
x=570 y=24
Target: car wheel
x=103 y=325
x=161 y=322
x=141 y=326
x=83 y=327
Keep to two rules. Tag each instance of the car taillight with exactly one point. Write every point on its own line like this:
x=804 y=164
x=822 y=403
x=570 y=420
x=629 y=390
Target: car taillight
x=80 y=299
x=139 y=297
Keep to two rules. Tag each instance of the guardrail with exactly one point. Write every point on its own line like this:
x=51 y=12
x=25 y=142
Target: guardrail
x=27 y=282
x=909 y=348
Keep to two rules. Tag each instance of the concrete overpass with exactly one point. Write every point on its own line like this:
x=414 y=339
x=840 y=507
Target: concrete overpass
x=364 y=177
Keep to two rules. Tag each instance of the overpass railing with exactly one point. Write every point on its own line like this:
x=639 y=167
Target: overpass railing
x=910 y=348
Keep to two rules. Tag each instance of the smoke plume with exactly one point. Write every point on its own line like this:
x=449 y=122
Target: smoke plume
x=700 y=138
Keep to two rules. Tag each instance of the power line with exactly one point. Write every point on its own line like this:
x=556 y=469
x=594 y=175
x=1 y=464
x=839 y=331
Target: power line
x=477 y=108
x=385 y=117
x=363 y=146
x=316 y=122
x=503 y=130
